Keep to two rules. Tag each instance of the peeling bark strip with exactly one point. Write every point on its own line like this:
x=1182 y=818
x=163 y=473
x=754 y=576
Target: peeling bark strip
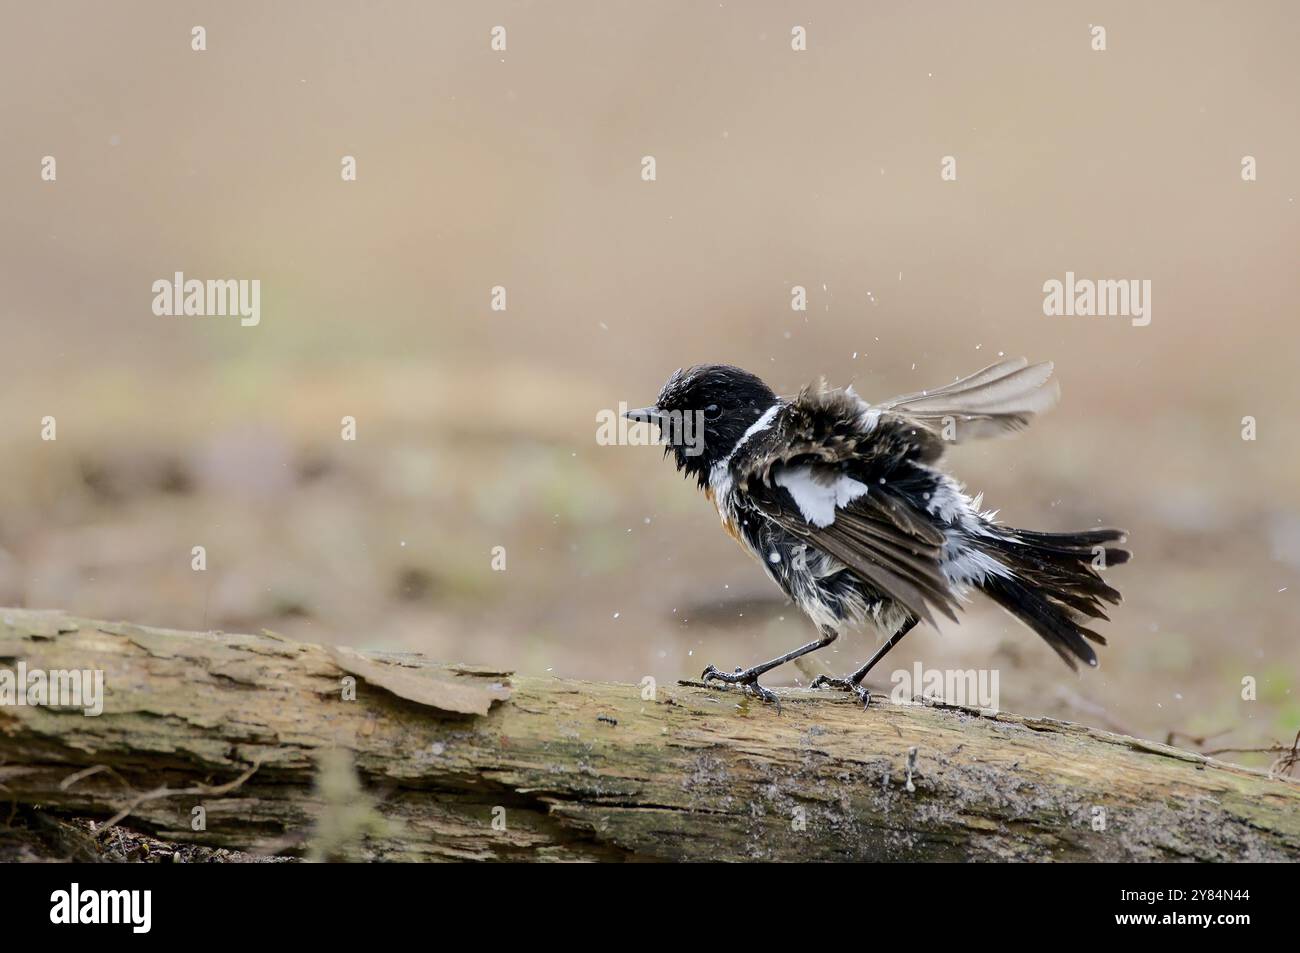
x=555 y=769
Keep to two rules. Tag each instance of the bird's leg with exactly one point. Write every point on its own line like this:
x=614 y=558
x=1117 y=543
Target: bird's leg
x=853 y=683
x=748 y=678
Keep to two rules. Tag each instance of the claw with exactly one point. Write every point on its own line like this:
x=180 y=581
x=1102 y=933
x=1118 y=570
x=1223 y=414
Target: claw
x=765 y=694
x=747 y=680
x=844 y=685
x=820 y=680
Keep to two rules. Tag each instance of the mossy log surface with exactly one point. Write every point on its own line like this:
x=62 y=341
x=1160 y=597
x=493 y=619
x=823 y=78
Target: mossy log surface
x=460 y=763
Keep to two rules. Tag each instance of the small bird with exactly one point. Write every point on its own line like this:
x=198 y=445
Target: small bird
x=845 y=507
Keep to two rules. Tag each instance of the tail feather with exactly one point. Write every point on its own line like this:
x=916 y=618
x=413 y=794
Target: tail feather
x=1047 y=620
x=1054 y=584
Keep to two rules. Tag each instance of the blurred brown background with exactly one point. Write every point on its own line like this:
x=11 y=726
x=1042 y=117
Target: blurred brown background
x=522 y=168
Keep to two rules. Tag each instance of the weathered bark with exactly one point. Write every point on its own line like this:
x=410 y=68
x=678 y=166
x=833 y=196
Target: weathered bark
x=580 y=770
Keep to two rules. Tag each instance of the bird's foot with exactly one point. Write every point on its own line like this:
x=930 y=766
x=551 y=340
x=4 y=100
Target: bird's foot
x=747 y=679
x=844 y=685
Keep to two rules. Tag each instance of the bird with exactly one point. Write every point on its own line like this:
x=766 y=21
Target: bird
x=847 y=508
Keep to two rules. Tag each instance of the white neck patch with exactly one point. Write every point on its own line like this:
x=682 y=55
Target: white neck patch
x=758 y=426
x=719 y=475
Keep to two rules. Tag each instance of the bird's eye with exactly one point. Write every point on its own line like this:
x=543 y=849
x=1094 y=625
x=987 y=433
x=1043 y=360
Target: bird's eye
x=712 y=412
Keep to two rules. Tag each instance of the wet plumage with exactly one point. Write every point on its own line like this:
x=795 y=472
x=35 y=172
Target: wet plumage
x=846 y=508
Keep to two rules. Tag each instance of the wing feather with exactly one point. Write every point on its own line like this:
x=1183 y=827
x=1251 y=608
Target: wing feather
x=824 y=475
x=902 y=567
x=998 y=399
x=849 y=478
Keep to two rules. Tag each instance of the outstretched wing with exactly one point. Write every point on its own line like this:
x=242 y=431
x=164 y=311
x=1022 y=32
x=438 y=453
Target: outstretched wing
x=825 y=476
x=1001 y=398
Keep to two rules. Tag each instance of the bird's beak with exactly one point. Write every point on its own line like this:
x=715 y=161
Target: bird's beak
x=647 y=415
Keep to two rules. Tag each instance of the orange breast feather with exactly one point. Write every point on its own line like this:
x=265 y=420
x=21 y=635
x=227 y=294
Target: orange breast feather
x=727 y=523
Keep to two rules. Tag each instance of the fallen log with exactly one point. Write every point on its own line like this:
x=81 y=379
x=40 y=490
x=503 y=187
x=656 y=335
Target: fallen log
x=214 y=739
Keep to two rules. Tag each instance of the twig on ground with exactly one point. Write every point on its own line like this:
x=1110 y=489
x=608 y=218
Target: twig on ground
x=160 y=792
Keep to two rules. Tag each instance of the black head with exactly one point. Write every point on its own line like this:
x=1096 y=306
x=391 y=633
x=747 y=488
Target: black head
x=722 y=399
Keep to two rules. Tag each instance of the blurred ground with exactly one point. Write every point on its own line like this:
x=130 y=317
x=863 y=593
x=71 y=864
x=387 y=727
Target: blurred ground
x=477 y=429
